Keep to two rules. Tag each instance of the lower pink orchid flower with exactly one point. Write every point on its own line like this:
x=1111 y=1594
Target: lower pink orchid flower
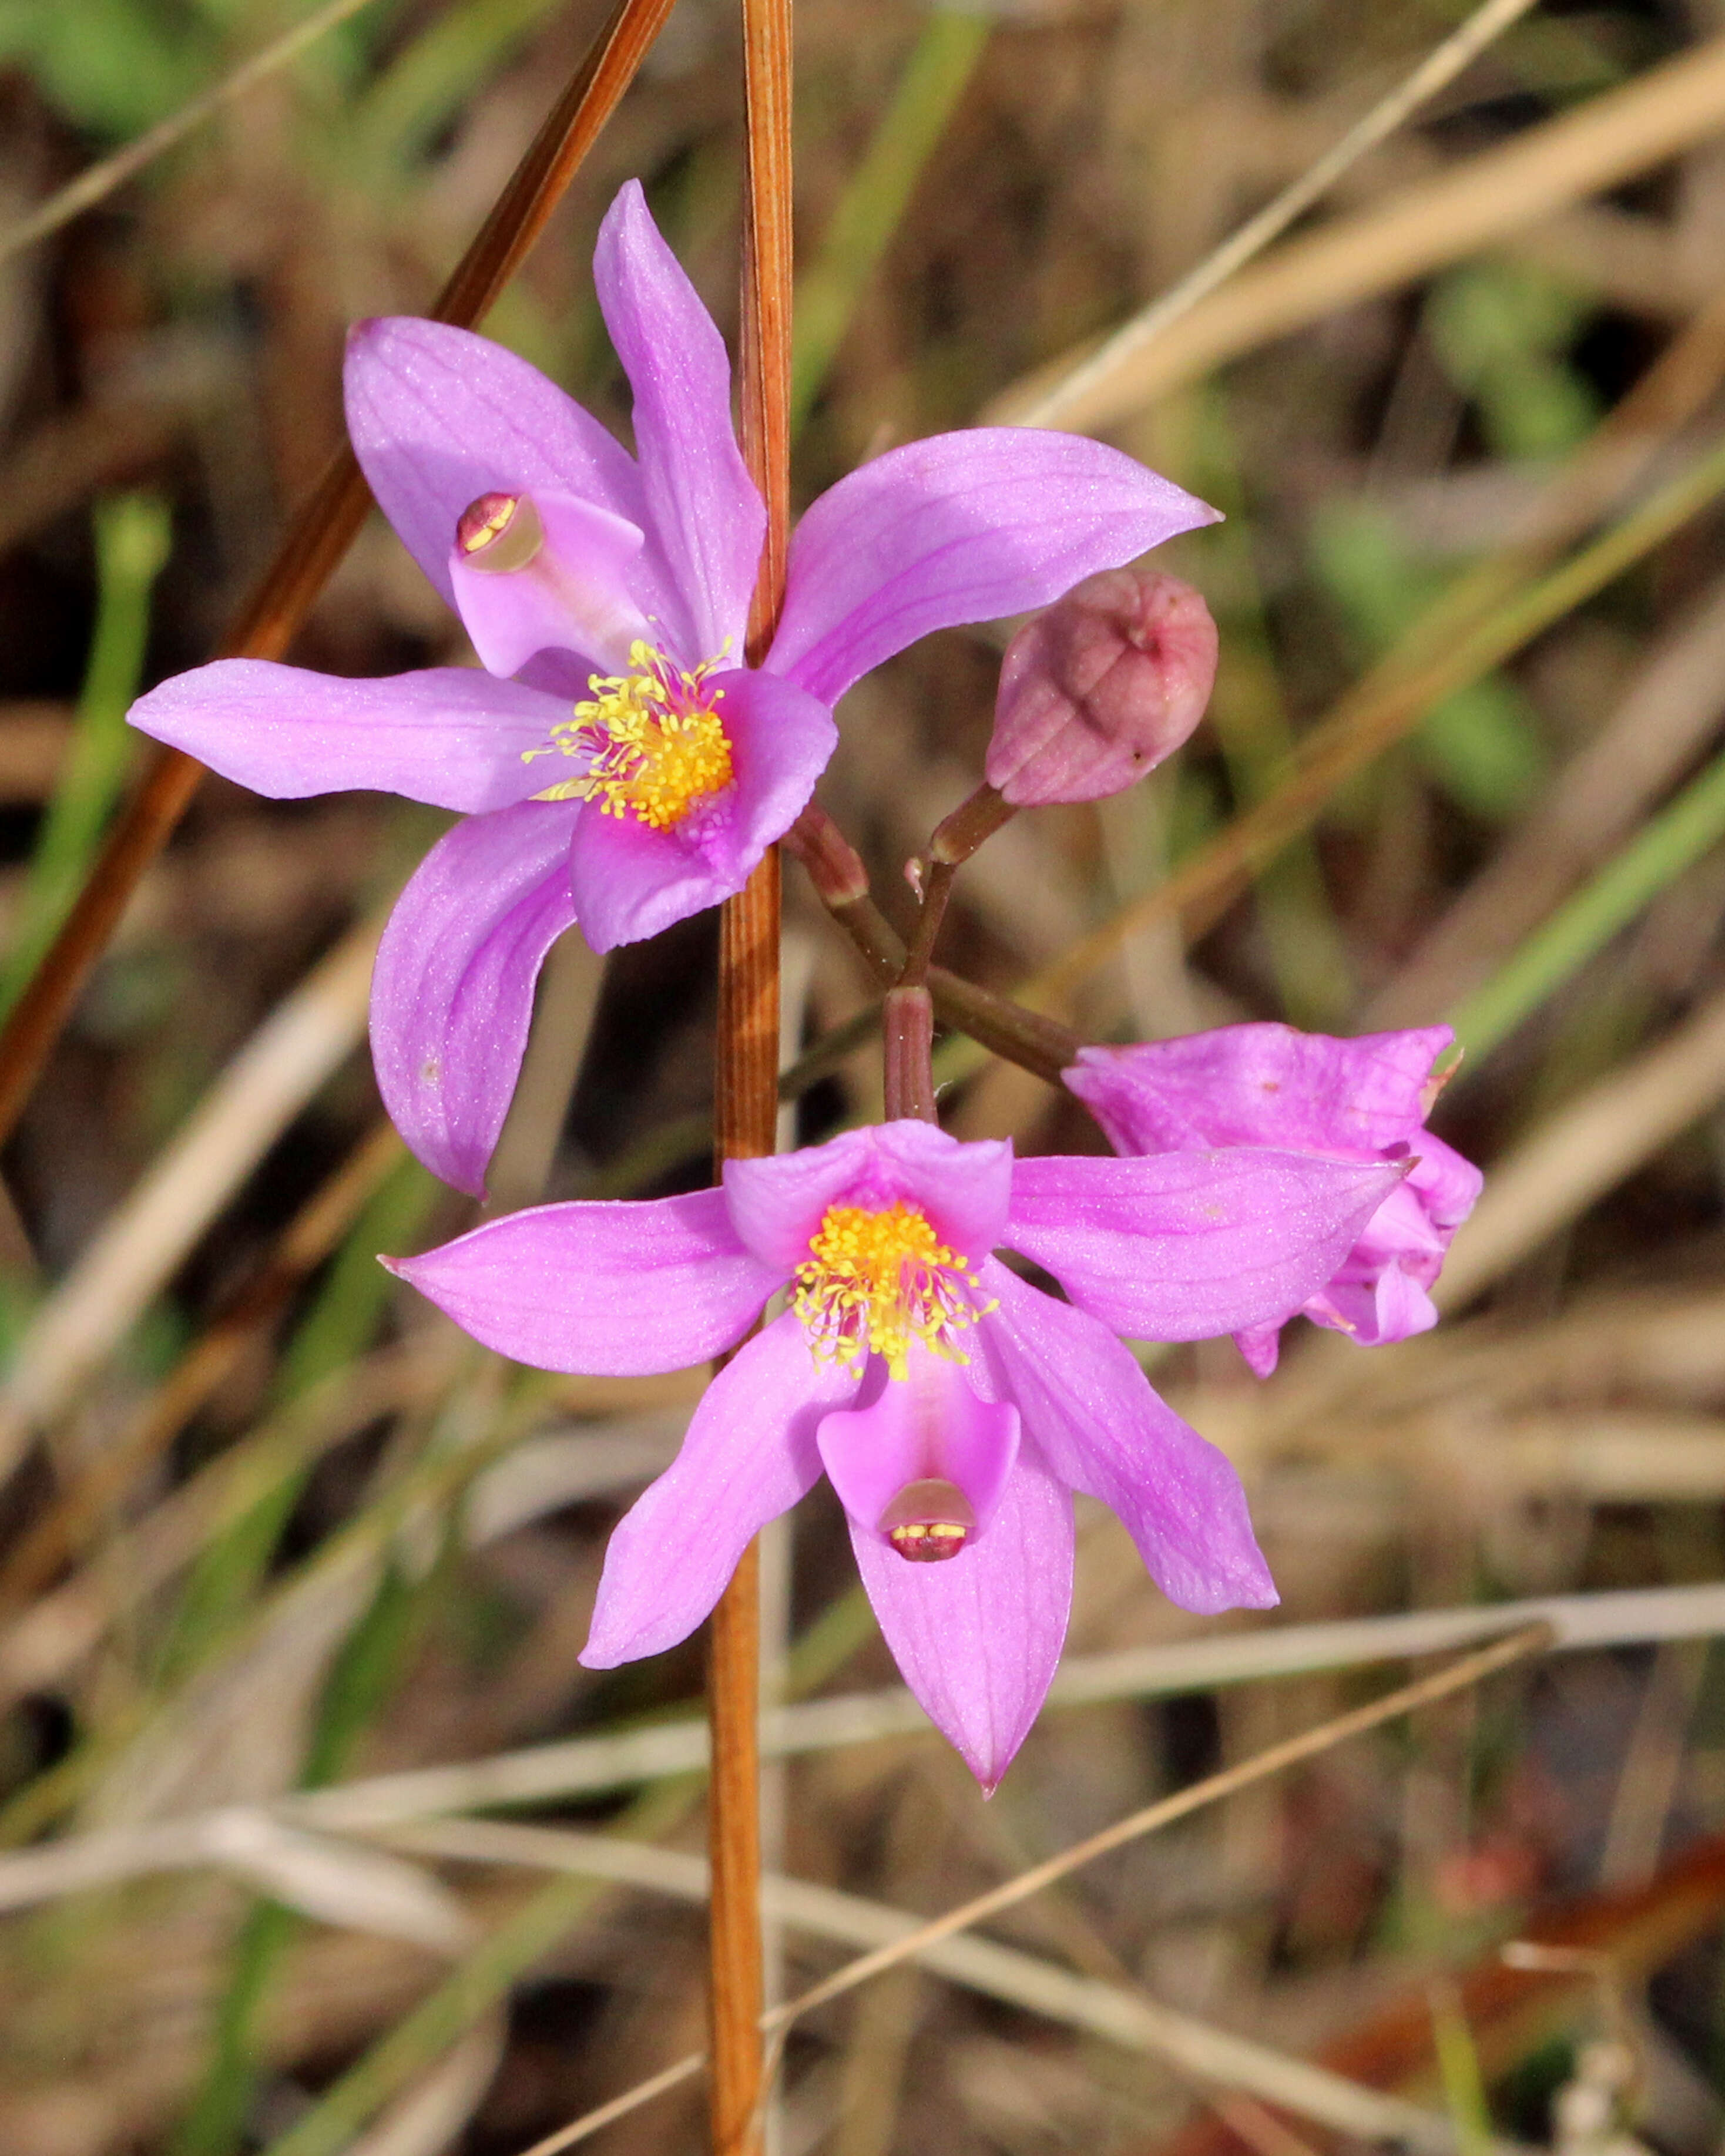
x=618 y=764
x=954 y=1407
x=1365 y=1099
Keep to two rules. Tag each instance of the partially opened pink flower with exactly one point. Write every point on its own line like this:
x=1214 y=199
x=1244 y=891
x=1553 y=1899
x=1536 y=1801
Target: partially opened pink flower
x=619 y=766
x=1361 y=1100
x=954 y=1407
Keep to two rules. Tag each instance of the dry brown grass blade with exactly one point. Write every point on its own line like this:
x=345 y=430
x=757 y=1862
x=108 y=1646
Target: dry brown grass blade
x=1423 y=228
x=316 y=542
x=1510 y=2011
x=308 y=1239
x=1408 y=1699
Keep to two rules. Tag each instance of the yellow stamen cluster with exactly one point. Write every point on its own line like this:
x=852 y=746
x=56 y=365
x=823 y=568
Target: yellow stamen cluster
x=656 y=748
x=874 y=1281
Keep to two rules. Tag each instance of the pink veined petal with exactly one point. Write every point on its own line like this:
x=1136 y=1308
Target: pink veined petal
x=1189 y=1246
x=706 y=519
x=439 y=416
x=929 y=1424
x=960 y=527
x=451 y=736
x=749 y=1455
x=1260 y=1085
x=978 y=1637
x=452 y=992
x=575 y=595
x=607 y=1289
x=964 y=1189
x=631 y=881
x=1091 y=1412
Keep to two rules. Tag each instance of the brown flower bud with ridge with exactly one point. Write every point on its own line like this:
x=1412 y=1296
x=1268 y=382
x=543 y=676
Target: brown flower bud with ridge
x=1101 y=687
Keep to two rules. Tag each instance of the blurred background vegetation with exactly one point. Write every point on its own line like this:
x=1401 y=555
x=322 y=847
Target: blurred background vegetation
x=269 y=1528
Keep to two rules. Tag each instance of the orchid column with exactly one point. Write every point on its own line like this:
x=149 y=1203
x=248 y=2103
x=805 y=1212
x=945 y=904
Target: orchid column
x=746 y=1089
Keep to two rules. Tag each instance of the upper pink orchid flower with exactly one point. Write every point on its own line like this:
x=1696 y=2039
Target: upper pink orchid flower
x=954 y=1407
x=1364 y=1099
x=620 y=765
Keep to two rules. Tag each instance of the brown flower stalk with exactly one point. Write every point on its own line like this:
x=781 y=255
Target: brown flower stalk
x=746 y=1107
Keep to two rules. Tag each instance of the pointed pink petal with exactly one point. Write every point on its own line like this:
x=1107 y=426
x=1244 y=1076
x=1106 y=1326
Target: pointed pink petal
x=575 y=595
x=961 y=527
x=928 y=1425
x=1262 y=1346
x=614 y=1289
x=1260 y=1085
x=706 y=518
x=1090 y=1409
x=630 y=881
x=453 y=990
x=1187 y=1245
x=451 y=735
x=964 y=1189
x=978 y=1637
x=749 y=1455
x=439 y=416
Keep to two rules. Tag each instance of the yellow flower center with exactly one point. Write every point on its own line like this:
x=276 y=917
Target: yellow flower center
x=656 y=749
x=874 y=1281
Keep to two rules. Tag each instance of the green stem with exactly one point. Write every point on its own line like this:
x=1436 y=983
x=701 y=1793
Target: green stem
x=830 y=290
x=132 y=538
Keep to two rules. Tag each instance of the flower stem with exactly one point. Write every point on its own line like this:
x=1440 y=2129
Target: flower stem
x=907 y=1026
x=745 y=1110
x=314 y=544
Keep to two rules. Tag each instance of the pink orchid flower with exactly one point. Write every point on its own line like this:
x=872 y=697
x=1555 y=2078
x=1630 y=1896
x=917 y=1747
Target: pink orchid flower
x=954 y=1407
x=1365 y=1099
x=619 y=765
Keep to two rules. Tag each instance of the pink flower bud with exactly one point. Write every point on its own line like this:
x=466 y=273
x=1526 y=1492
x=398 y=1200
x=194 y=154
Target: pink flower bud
x=1100 y=688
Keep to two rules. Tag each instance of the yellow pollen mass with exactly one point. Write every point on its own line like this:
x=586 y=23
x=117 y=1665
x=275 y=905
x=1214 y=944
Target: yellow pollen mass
x=877 y=1279
x=654 y=746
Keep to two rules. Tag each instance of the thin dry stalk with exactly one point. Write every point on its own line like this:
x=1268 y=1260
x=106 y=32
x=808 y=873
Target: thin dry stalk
x=1459 y=1676
x=1440 y=68
x=1422 y=228
x=745 y=1095
x=316 y=542
x=101 y=181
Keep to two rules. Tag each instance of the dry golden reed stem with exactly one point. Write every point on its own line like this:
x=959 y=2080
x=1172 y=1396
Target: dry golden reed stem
x=745 y=1103
x=1456 y=1676
x=316 y=542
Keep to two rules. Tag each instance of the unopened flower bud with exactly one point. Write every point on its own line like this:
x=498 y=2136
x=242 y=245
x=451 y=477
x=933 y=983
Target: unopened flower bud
x=1100 y=688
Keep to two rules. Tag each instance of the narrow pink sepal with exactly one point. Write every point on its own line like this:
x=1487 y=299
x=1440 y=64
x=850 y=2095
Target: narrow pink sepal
x=749 y=1455
x=1189 y=1246
x=451 y=736
x=618 y=1288
x=1094 y=1416
x=452 y=992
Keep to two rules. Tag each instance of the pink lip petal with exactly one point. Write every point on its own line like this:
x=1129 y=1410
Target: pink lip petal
x=575 y=595
x=978 y=1638
x=929 y=1426
x=439 y=416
